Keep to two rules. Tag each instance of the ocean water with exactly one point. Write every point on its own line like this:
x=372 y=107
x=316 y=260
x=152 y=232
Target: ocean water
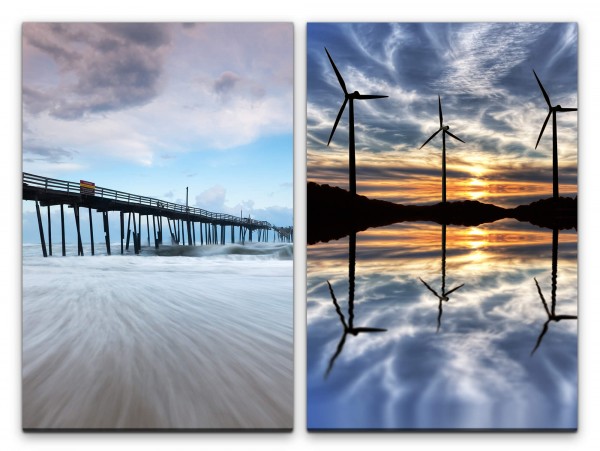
x=176 y=338
x=411 y=360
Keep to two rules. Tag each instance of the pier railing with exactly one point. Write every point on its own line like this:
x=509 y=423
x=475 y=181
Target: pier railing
x=74 y=188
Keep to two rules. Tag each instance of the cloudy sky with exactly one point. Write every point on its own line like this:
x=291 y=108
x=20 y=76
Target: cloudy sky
x=154 y=108
x=490 y=99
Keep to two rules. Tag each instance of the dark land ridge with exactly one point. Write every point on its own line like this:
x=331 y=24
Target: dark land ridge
x=334 y=213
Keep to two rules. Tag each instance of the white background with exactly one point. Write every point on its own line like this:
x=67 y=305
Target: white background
x=14 y=12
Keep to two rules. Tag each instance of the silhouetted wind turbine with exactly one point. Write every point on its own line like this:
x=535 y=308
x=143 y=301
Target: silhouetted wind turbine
x=349 y=97
x=445 y=294
x=552 y=110
x=348 y=327
x=444 y=129
x=550 y=312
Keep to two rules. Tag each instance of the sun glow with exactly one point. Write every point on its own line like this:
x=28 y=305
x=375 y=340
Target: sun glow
x=476 y=182
x=476 y=238
x=475 y=189
x=479 y=171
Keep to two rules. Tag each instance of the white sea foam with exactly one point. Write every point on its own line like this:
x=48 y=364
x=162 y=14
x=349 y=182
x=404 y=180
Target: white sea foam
x=157 y=341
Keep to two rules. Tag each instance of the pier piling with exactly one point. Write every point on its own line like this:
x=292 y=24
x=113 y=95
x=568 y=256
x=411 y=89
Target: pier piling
x=62 y=229
x=91 y=230
x=139 y=232
x=49 y=233
x=135 y=235
x=154 y=232
x=122 y=224
x=39 y=218
x=79 y=243
x=106 y=231
x=128 y=230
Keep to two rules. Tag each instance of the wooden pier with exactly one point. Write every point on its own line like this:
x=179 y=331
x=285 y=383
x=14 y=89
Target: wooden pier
x=186 y=225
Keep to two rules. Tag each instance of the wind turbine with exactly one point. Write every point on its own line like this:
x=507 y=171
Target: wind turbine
x=550 y=312
x=552 y=110
x=348 y=327
x=349 y=98
x=445 y=296
x=444 y=129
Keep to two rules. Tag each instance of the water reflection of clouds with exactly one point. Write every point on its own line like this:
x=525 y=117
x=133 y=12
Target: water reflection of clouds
x=477 y=371
x=507 y=243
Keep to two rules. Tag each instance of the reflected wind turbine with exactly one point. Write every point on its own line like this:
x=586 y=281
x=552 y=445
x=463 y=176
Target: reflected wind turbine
x=348 y=327
x=444 y=297
x=444 y=129
x=552 y=110
x=550 y=312
x=349 y=97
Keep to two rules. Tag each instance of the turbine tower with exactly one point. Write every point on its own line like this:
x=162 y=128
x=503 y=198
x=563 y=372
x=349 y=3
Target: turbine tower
x=444 y=129
x=552 y=110
x=349 y=97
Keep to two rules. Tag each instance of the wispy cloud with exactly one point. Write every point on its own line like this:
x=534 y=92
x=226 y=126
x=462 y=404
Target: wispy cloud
x=32 y=152
x=483 y=73
x=479 y=56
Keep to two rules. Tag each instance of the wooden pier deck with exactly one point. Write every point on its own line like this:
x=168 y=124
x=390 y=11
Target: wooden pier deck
x=182 y=220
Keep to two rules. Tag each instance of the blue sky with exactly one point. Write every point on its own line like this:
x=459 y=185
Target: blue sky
x=490 y=99
x=154 y=108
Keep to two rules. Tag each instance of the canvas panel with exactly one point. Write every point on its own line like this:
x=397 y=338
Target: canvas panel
x=442 y=226
x=157 y=226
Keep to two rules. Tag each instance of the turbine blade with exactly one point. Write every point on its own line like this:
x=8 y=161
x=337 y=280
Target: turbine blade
x=337 y=306
x=338 y=350
x=429 y=288
x=543 y=90
x=337 y=73
x=430 y=138
x=543 y=128
x=440 y=106
x=542 y=297
x=539 y=340
x=455 y=137
x=567 y=109
x=366 y=96
x=367 y=329
x=337 y=120
x=559 y=317
x=454 y=289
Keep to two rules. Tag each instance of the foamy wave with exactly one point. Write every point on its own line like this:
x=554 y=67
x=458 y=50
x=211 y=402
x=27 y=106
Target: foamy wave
x=248 y=251
x=261 y=251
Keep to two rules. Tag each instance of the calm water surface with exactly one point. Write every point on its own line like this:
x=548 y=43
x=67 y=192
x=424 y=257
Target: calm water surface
x=431 y=328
